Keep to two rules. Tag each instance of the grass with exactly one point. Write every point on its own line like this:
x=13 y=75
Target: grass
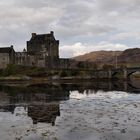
x=21 y=71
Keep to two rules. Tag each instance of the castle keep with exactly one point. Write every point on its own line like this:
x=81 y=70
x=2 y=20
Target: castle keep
x=42 y=51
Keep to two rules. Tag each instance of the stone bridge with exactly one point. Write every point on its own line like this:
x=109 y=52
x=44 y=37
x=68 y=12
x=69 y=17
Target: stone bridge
x=106 y=73
x=127 y=72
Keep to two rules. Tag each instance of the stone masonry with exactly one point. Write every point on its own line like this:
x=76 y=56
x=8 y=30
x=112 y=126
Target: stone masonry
x=42 y=51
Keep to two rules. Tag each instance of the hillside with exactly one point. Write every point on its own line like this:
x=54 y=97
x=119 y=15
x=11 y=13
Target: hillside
x=130 y=56
x=98 y=56
x=127 y=56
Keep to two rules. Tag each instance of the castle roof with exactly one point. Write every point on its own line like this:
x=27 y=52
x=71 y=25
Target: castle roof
x=43 y=37
x=6 y=49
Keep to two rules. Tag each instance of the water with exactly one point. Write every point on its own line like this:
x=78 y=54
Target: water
x=72 y=111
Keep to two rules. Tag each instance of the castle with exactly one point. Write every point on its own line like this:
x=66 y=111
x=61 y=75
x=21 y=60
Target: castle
x=42 y=51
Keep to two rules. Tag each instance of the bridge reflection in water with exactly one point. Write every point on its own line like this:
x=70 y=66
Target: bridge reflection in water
x=42 y=101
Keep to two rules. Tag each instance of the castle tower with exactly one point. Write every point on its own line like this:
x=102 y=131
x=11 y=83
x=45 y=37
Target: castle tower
x=44 y=48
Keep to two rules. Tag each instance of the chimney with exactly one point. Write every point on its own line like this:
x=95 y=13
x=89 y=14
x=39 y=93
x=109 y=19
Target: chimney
x=33 y=35
x=12 y=46
x=57 y=42
x=51 y=32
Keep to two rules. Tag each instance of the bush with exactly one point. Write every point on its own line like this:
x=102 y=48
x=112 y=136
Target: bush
x=73 y=73
x=107 y=67
x=9 y=70
x=63 y=74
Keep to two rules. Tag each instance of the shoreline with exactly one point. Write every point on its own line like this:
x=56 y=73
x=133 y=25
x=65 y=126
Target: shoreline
x=33 y=80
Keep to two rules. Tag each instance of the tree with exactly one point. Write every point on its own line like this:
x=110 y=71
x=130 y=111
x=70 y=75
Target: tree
x=107 y=67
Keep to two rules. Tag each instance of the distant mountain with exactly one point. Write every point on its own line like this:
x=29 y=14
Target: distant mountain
x=130 y=56
x=127 y=56
x=98 y=56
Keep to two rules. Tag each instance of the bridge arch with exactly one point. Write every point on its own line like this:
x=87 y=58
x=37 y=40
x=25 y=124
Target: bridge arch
x=114 y=73
x=125 y=73
x=132 y=72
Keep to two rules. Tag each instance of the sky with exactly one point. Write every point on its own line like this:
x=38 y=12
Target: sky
x=81 y=26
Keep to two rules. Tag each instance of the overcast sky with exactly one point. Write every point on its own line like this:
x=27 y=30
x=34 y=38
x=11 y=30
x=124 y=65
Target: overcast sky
x=80 y=25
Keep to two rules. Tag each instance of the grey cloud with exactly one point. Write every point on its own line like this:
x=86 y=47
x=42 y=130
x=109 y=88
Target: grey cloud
x=120 y=5
x=31 y=3
x=70 y=19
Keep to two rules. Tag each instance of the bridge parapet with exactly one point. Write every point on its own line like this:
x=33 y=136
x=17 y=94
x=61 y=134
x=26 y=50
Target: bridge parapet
x=126 y=72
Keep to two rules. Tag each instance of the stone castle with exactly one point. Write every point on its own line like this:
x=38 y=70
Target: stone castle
x=42 y=51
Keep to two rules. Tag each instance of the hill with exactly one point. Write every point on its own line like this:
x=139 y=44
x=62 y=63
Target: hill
x=98 y=56
x=109 y=57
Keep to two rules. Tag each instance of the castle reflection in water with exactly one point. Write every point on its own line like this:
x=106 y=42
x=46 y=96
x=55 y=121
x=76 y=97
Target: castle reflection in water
x=42 y=101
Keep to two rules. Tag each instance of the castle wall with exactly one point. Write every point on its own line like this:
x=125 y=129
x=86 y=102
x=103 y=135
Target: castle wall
x=21 y=58
x=4 y=60
x=42 y=51
x=64 y=63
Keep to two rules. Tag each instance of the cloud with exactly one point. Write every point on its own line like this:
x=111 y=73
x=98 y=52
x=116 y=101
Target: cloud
x=126 y=35
x=80 y=49
x=73 y=21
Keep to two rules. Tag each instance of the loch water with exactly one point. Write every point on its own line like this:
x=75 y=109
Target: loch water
x=70 y=111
